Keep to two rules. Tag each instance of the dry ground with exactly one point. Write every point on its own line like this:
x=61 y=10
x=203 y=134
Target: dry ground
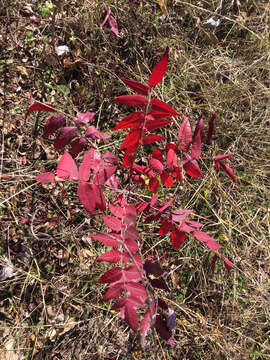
x=50 y=304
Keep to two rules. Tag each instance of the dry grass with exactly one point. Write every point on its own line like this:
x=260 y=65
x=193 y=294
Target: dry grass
x=50 y=307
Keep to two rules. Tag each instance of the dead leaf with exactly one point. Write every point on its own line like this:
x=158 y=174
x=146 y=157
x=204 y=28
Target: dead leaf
x=8 y=353
x=22 y=70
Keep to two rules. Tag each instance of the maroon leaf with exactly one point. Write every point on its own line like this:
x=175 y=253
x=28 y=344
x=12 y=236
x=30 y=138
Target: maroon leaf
x=162 y=328
x=160 y=107
x=38 y=106
x=45 y=177
x=132 y=139
x=177 y=173
x=94 y=133
x=153 y=200
x=87 y=196
x=166 y=205
x=111 y=275
x=213 y=262
x=159 y=284
x=153 y=268
x=185 y=135
x=159 y=70
x=133 y=120
x=228 y=171
x=166 y=179
x=113 y=223
x=152 y=138
x=67 y=168
x=117 y=210
x=136 y=290
x=136 y=86
x=77 y=146
x=171 y=319
x=84 y=118
x=210 y=130
x=53 y=123
x=64 y=138
x=190 y=225
x=177 y=238
x=104 y=174
x=207 y=240
x=132 y=100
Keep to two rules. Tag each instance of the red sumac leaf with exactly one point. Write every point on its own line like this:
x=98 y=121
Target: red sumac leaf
x=111 y=275
x=159 y=70
x=87 y=196
x=114 y=291
x=67 y=167
x=132 y=100
x=185 y=135
x=91 y=160
x=222 y=157
x=227 y=263
x=38 y=106
x=153 y=200
x=160 y=107
x=53 y=123
x=156 y=154
x=113 y=25
x=153 y=184
x=100 y=200
x=84 y=118
x=117 y=210
x=166 y=179
x=113 y=223
x=104 y=175
x=180 y=215
x=166 y=226
x=152 y=138
x=228 y=170
x=177 y=238
x=213 y=263
x=156 y=165
x=196 y=146
x=192 y=168
x=210 y=242
x=94 y=133
x=132 y=139
x=136 y=290
x=151 y=125
x=136 y=86
x=177 y=173
x=171 y=159
x=109 y=239
x=131 y=317
x=111 y=256
x=199 y=128
x=45 y=177
x=166 y=205
x=133 y=120
x=110 y=157
x=64 y=138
